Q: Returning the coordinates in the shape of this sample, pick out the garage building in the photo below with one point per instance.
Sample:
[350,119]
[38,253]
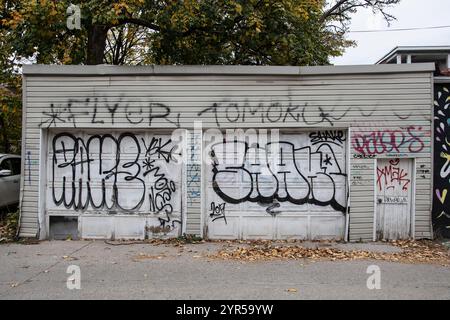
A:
[227,152]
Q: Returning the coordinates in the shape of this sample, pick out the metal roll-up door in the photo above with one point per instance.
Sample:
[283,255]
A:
[294,187]
[135,178]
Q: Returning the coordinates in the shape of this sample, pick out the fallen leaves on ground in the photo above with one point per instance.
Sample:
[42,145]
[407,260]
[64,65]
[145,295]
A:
[69,258]
[412,252]
[143,256]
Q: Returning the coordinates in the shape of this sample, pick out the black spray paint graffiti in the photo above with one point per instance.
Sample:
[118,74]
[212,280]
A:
[82,158]
[271,209]
[217,211]
[93,174]
[336,137]
[441,200]
[270,113]
[239,113]
[278,172]
[162,190]
[100,111]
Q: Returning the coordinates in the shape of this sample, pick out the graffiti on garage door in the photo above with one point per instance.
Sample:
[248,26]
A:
[122,173]
[299,169]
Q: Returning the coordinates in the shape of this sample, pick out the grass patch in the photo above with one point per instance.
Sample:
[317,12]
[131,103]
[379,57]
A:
[190,238]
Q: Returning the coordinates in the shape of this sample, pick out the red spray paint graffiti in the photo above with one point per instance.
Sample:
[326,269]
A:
[392,176]
[387,141]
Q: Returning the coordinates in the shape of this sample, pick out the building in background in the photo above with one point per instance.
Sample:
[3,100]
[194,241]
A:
[440,56]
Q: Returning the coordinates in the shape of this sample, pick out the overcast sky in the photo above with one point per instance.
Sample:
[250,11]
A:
[410,14]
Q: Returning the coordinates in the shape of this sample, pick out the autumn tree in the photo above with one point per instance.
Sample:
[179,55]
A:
[10,98]
[257,32]
[10,115]
[282,32]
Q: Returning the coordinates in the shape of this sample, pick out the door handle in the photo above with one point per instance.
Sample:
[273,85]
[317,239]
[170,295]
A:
[16,181]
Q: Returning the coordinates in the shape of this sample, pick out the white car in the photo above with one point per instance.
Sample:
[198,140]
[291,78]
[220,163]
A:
[9,179]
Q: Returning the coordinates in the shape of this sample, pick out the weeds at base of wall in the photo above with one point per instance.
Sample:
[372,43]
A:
[181,240]
[190,238]
[9,223]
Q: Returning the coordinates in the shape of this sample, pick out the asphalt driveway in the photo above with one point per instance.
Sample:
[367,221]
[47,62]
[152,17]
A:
[167,271]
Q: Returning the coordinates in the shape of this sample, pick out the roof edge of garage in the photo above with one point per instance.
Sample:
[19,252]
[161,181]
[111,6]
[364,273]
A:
[110,70]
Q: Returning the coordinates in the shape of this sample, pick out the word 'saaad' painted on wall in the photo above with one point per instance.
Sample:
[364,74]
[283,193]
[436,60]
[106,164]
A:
[441,198]
[108,174]
[297,170]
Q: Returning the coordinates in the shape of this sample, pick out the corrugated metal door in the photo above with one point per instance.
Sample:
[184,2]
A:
[294,187]
[394,198]
[119,173]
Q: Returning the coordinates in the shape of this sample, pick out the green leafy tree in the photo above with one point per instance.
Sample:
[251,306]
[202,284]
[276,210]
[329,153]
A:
[10,115]
[282,32]
[256,32]
[10,98]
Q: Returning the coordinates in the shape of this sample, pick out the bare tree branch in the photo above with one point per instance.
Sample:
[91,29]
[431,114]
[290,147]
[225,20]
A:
[341,10]
[332,10]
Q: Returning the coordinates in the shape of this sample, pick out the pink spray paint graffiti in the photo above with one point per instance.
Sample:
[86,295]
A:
[381,142]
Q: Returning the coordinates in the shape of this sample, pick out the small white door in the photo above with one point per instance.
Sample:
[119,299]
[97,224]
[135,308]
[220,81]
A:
[394,186]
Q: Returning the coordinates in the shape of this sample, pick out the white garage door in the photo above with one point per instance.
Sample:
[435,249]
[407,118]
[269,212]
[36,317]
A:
[293,187]
[121,174]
